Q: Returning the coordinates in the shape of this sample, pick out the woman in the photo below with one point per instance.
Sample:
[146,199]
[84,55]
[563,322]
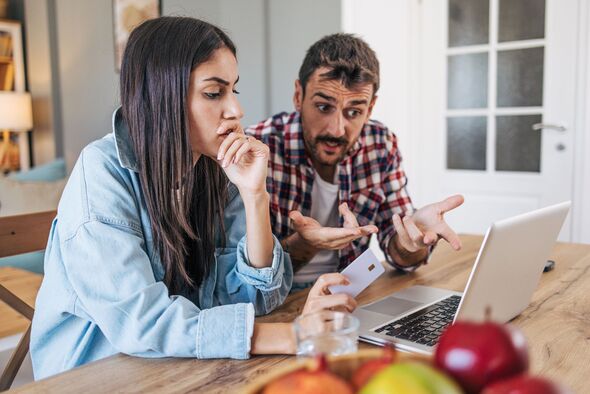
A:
[152,253]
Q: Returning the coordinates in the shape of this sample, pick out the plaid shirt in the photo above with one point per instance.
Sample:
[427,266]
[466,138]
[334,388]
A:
[371,180]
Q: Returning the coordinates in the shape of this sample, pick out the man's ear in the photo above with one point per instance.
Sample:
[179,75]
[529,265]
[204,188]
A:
[371,105]
[298,96]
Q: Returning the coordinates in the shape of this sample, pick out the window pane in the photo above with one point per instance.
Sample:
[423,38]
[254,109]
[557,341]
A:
[518,146]
[466,143]
[521,20]
[469,22]
[520,77]
[467,77]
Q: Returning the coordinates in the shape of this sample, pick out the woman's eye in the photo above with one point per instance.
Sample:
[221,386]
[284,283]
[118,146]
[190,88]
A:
[212,96]
[236,92]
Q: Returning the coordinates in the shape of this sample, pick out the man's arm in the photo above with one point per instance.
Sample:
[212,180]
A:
[300,251]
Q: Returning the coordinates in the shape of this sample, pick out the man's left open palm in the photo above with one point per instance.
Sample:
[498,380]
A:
[427,225]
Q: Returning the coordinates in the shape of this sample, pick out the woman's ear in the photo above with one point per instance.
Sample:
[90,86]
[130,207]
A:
[298,96]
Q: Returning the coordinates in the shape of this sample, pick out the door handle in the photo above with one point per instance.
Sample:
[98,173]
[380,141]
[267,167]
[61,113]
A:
[549,126]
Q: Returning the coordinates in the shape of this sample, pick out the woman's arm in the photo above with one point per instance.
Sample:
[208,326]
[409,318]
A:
[245,161]
[279,338]
[258,231]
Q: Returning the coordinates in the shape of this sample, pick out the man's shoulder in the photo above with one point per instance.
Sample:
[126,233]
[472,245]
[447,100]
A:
[272,127]
[377,133]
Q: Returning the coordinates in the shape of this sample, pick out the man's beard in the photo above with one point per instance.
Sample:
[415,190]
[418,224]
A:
[314,150]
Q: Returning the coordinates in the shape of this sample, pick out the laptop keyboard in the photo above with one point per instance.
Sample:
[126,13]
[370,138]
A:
[426,325]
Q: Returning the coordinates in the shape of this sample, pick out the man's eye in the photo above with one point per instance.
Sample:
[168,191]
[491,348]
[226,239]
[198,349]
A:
[352,113]
[212,96]
[323,107]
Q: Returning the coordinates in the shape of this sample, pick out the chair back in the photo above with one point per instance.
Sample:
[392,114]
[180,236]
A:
[21,234]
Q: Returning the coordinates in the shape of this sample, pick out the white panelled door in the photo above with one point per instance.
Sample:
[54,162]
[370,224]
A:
[497,99]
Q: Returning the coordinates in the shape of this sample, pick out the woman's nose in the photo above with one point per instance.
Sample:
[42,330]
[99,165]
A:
[233,109]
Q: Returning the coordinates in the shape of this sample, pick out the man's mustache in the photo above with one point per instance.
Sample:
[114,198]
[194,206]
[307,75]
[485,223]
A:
[333,140]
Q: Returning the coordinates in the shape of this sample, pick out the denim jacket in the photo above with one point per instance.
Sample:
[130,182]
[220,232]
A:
[103,290]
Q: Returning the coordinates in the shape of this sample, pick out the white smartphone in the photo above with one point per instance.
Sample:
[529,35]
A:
[363,271]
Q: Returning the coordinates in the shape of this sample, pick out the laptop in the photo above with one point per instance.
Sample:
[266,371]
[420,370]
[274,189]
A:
[505,274]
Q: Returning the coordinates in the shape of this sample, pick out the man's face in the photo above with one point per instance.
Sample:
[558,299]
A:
[332,116]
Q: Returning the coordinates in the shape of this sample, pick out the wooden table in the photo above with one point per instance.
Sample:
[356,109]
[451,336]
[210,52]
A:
[24,285]
[557,325]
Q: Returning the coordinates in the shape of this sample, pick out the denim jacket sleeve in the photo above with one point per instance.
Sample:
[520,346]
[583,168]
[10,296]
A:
[266,288]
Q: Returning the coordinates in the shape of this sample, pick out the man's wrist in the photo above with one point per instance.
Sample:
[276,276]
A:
[404,257]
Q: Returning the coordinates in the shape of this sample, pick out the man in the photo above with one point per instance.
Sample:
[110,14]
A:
[337,175]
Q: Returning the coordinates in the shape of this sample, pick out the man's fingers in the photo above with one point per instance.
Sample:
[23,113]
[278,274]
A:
[349,218]
[369,229]
[415,234]
[451,237]
[451,203]
[430,237]
[402,234]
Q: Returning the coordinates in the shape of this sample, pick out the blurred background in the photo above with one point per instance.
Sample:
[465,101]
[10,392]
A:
[487,97]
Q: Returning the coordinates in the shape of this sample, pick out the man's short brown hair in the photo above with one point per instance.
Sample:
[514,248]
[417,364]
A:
[349,58]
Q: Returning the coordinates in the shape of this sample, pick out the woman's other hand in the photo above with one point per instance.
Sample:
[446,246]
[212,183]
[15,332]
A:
[320,298]
[244,159]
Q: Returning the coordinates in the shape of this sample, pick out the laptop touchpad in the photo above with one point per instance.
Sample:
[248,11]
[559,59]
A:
[392,306]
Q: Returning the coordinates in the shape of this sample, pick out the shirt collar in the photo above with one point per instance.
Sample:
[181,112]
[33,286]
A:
[123,143]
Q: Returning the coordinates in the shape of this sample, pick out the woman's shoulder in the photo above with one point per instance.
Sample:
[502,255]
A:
[100,188]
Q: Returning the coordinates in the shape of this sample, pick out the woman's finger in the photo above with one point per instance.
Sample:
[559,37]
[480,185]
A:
[326,280]
[246,146]
[231,151]
[228,126]
[335,301]
[225,144]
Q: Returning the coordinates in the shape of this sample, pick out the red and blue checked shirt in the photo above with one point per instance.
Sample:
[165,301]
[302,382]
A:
[371,179]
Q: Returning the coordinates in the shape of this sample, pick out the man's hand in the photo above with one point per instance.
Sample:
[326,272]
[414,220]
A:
[426,226]
[333,238]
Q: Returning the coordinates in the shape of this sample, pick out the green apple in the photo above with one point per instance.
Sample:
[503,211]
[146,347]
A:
[410,378]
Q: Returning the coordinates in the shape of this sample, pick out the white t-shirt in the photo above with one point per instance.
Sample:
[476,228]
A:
[324,209]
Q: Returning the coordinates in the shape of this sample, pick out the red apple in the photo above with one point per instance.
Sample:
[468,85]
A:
[477,354]
[318,380]
[371,367]
[525,384]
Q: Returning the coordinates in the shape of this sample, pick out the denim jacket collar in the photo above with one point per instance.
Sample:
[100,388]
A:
[123,143]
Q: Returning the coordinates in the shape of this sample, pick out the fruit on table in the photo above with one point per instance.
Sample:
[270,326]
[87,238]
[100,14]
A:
[371,367]
[525,384]
[478,354]
[410,378]
[316,381]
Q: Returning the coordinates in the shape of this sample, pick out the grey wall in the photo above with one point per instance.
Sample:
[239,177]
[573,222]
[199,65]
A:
[294,26]
[75,85]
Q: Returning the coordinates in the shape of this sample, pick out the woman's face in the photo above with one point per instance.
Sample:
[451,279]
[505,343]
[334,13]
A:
[212,98]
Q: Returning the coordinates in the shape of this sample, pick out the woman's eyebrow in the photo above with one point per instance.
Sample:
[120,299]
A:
[221,80]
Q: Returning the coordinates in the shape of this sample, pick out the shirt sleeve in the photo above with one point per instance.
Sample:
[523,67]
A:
[116,288]
[397,200]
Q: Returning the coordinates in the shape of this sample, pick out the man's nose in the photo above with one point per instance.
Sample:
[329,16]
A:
[336,126]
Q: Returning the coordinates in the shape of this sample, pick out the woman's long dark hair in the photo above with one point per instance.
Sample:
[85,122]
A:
[184,201]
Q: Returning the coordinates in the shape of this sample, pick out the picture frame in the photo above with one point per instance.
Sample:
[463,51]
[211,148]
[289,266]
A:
[127,14]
